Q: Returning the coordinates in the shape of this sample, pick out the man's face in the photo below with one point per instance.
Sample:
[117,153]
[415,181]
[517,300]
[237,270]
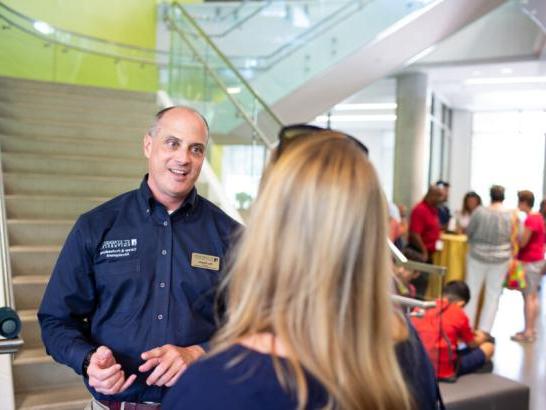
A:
[175,156]
[435,196]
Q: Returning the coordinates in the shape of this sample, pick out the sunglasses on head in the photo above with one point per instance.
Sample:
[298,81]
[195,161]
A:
[291,132]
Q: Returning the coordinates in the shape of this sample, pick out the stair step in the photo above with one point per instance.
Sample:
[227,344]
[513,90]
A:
[13,85]
[74,397]
[30,329]
[28,290]
[63,102]
[70,129]
[30,356]
[68,185]
[33,369]
[108,116]
[71,146]
[72,165]
[33,260]
[38,232]
[50,207]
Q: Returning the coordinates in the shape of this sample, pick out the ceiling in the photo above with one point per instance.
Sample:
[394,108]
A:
[495,63]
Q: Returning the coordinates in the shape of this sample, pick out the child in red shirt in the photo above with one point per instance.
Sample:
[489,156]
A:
[441,328]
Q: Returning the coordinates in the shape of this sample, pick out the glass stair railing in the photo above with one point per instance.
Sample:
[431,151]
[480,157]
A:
[283,25]
[243,126]
[213,81]
[36,50]
[294,41]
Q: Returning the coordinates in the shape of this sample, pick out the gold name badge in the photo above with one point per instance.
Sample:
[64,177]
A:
[200,260]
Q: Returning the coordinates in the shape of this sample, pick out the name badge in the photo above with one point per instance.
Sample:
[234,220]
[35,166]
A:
[200,260]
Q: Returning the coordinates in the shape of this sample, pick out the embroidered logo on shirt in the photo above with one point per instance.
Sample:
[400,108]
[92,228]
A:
[200,260]
[118,248]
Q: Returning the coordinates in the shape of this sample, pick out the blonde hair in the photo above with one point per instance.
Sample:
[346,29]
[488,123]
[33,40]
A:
[313,268]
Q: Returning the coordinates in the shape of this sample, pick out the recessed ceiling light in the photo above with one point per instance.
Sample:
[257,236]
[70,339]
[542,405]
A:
[476,72]
[357,118]
[505,80]
[365,106]
[506,70]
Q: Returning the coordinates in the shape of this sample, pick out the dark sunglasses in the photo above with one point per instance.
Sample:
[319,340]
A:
[290,132]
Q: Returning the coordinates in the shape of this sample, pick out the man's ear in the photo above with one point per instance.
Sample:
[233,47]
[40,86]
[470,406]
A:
[147,145]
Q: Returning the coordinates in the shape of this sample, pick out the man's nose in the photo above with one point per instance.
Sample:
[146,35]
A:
[182,155]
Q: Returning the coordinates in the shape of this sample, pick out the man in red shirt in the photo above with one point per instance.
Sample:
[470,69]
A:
[424,226]
[424,233]
[531,254]
[441,328]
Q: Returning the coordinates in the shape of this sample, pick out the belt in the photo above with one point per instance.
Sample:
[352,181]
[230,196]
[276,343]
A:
[125,405]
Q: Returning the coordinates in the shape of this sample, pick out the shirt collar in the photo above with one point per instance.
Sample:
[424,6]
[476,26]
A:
[148,202]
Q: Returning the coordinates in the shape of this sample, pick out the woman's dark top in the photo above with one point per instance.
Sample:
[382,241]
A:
[252,383]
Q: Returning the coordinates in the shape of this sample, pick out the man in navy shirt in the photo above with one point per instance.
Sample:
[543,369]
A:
[131,298]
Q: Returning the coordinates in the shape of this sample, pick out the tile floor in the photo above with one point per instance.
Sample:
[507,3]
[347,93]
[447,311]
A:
[518,361]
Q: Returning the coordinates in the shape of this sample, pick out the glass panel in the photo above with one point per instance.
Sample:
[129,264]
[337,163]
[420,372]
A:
[243,128]
[298,39]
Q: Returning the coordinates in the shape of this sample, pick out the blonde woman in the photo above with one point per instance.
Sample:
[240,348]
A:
[309,320]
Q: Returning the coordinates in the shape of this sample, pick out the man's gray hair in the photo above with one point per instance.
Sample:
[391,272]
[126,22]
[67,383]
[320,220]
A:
[153,128]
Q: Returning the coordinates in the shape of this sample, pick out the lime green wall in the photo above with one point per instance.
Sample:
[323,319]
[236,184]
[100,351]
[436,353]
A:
[125,21]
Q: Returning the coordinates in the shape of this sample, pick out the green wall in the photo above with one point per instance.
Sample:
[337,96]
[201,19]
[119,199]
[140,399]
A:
[130,22]
[124,21]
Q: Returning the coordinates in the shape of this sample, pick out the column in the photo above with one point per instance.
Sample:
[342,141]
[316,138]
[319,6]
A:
[411,152]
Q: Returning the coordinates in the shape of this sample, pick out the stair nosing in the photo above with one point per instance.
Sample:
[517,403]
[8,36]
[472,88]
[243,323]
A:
[72,124]
[31,355]
[30,279]
[73,157]
[65,176]
[28,315]
[54,197]
[35,248]
[22,221]
[75,140]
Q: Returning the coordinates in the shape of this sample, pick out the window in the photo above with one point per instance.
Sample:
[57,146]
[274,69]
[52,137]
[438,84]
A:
[440,140]
[508,149]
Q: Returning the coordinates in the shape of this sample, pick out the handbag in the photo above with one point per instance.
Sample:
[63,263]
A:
[515,275]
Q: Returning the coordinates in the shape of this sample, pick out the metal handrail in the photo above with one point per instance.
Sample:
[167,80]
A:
[85,36]
[414,265]
[347,9]
[233,12]
[413,303]
[5,264]
[78,48]
[10,345]
[217,79]
[243,20]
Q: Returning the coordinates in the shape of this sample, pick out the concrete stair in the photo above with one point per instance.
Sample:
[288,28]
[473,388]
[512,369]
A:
[65,149]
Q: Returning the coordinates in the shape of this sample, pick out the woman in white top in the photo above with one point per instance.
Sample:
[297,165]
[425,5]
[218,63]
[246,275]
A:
[490,250]
[471,201]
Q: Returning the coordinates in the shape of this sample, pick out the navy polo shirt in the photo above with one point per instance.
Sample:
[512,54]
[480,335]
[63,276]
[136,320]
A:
[132,277]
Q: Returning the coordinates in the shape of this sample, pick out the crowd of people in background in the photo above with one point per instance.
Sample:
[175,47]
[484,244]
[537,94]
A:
[496,235]
[497,238]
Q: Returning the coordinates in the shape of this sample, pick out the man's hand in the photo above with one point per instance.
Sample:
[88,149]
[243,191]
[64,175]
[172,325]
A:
[169,362]
[105,375]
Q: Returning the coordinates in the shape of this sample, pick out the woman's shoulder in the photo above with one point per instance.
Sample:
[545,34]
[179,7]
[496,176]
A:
[235,378]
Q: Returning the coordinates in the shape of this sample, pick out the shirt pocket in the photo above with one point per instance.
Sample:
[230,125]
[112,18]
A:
[120,288]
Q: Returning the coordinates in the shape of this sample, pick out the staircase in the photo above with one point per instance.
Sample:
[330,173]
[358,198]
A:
[65,149]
